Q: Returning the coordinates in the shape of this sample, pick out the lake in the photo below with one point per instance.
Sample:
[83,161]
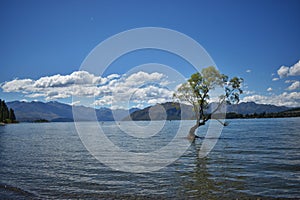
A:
[253,158]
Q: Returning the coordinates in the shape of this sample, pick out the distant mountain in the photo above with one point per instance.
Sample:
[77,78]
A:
[174,112]
[59,112]
[251,108]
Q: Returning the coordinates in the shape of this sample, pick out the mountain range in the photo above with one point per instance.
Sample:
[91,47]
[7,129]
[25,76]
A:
[60,112]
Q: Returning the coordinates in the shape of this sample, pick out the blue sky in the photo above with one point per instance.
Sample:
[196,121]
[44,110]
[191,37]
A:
[251,39]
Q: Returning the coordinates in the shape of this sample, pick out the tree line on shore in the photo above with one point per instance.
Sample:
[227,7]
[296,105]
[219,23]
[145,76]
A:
[290,113]
[6,115]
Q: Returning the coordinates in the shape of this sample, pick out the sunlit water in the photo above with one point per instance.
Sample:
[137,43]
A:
[255,158]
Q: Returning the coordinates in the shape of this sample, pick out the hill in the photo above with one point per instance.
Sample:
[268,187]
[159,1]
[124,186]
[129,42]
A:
[164,111]
[173,111]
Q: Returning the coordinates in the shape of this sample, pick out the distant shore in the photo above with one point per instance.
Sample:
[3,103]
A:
[289,113]
[228,116]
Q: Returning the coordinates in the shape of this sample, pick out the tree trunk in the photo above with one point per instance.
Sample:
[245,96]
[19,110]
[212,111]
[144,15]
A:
[191,136]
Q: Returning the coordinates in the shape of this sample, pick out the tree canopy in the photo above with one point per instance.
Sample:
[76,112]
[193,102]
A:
[196,91]
[6,115]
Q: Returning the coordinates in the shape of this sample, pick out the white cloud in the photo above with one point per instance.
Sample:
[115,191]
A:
[248,70]
[285,99]
[106,100]
[113,76]
[269,89]
[294,70]
[17,85]
[156,101]
[248,92]
[35,95]
[283,71]
[295,85]
[140,87]
[141,77]
[76,78]
[275,79]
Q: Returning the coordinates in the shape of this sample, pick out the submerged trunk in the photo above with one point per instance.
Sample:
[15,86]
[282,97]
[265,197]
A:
[191,136]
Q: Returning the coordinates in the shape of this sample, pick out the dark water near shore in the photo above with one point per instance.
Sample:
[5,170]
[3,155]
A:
[253,158]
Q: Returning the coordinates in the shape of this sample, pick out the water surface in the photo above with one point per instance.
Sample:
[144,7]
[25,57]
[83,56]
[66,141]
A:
[253,158]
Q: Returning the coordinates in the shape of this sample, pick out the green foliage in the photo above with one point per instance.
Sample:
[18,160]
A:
[197,89]
[12,116]
[233,90]
[40,121]
[7,121]
[6,115]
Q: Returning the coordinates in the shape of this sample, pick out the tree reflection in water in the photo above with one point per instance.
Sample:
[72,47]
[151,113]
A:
[205,179]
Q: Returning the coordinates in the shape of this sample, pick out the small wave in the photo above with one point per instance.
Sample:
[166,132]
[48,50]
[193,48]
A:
[12,192]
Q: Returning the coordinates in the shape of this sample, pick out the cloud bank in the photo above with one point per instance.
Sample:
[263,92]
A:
[285,99]
[140,87]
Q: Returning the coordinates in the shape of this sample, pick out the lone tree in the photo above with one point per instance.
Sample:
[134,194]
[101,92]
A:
[197,89]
